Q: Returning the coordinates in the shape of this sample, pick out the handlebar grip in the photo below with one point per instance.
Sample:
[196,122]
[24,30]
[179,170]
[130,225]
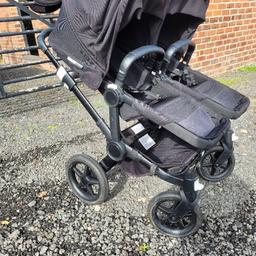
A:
[41,39]
[133,56]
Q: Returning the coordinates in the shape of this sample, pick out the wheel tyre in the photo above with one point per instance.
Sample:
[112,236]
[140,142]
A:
[173,232]
[215,178]
[98,174]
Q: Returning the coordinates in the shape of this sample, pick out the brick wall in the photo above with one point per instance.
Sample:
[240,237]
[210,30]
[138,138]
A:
[10,42]
[228,38]
[224,42]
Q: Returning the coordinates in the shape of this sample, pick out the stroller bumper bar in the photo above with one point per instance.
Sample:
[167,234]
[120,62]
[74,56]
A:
[175,48]
[134,56]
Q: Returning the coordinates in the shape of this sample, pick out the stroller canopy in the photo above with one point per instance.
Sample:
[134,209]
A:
[87,30]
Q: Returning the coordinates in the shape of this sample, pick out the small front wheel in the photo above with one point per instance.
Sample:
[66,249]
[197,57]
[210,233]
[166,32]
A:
[87,179]
[161,210]
[208,168]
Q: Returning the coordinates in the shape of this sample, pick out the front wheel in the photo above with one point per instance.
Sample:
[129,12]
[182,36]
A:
[161,210]
[208,168]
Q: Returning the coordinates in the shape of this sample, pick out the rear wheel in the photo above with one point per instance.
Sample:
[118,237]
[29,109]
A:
[161,211]
[210,170]
[87,179]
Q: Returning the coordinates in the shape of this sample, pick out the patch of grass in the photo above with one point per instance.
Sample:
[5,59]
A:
[230,81]
[249,68]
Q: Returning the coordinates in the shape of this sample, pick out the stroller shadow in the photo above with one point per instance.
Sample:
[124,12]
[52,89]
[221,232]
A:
[117,180]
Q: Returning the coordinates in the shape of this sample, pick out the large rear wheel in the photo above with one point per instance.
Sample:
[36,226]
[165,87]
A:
[87,179]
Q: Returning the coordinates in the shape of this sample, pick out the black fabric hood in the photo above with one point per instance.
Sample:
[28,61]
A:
[87,30]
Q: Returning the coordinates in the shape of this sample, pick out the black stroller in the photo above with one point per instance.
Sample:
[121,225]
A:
[182,122]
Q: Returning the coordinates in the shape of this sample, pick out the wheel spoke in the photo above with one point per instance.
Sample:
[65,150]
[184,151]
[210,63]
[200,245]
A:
[222,169]
[213,170]
[181,224]
[176,205]
[90,190]
[85,169]
[206,165]
[212,158]
[83,185]
[189,214]
[78,172]
[165,210]
[90,180]
[223,166]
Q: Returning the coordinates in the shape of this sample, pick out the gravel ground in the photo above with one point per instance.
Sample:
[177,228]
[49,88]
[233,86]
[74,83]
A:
[40,216]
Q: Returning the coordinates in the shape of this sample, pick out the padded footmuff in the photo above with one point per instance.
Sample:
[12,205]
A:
[159,146]
[219,97]
[229,102]
[182,116]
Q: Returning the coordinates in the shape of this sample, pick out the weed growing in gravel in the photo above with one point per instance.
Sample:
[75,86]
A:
[144,247]
[52,126]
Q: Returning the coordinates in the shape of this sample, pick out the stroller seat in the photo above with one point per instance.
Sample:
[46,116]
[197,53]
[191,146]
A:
[180,115]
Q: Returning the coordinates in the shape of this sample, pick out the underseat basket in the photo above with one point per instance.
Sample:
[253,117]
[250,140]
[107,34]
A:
[159,146]
[219,97]
[182,116]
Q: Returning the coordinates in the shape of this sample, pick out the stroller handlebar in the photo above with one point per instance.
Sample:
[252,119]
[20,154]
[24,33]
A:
[176,47]
[179,45]
[133,56]
[45,48]
[41,39]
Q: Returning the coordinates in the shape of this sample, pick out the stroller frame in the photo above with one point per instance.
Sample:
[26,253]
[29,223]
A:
[117,149]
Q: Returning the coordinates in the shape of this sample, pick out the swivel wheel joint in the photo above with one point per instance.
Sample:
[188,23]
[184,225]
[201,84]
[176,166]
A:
[116,150]
[112,95]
